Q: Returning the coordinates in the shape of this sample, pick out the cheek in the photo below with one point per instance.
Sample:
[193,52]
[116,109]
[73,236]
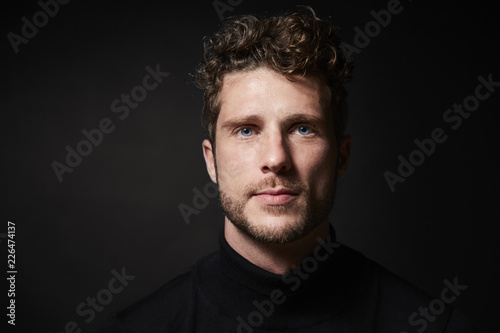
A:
[232,166]
[320,164]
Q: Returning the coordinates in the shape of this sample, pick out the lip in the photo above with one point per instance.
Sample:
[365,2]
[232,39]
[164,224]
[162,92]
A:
[276,191]
[275,196]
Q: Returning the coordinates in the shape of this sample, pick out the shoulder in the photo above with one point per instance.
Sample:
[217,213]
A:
[167,307]
[403,307]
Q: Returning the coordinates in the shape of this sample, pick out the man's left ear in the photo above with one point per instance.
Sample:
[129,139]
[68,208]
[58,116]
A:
[343,155]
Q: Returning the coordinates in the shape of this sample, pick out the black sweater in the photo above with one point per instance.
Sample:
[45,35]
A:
[336,289]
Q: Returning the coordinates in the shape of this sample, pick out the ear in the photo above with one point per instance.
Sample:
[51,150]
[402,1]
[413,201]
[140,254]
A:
[343,156]
[208,153]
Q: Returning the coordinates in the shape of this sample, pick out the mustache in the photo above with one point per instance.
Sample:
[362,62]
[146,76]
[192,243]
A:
[291,184]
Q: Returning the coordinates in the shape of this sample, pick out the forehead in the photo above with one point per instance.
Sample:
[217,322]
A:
[266,92]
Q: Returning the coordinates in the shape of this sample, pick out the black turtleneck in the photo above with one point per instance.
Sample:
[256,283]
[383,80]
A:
[335,289]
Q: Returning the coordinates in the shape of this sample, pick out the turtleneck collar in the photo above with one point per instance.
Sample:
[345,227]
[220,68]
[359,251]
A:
[242,271]
[327,283]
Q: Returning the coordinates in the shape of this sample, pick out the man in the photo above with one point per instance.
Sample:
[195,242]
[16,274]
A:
[274,114]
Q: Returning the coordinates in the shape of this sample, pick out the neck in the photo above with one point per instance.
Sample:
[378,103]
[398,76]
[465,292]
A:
[275,258]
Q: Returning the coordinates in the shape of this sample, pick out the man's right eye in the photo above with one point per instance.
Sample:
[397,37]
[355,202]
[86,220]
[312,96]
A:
[246,131]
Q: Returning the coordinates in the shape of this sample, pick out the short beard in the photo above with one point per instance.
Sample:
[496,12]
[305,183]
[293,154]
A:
[316,210]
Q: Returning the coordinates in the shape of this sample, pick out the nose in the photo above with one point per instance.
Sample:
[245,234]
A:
[275,154]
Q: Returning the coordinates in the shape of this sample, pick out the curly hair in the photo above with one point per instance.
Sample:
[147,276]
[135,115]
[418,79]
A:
[293,43]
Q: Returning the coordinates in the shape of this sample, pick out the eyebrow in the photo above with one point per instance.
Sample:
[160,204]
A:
[237,121]
[294,118]
[302,118]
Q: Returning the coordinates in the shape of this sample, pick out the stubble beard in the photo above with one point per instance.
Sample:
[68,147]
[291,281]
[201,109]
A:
[314,211]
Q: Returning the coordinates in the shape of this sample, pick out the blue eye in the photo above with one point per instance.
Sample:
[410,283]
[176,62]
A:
[303,130]
[246,131]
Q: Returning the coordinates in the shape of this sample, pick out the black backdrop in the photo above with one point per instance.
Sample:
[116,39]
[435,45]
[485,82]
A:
[119,207]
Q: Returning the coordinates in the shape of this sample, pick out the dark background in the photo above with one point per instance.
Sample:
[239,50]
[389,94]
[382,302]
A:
[119,207]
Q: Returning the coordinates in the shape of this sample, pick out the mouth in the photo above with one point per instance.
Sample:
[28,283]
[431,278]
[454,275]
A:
[275,196]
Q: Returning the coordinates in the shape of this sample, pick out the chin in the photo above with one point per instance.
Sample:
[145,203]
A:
[274,229]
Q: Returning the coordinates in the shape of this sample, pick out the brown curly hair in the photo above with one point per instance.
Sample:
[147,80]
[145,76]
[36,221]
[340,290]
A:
[293,43]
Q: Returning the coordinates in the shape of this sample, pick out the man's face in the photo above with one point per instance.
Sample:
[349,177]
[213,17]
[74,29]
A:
[276,155]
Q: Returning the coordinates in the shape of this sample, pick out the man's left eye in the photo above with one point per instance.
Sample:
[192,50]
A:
[303,130]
